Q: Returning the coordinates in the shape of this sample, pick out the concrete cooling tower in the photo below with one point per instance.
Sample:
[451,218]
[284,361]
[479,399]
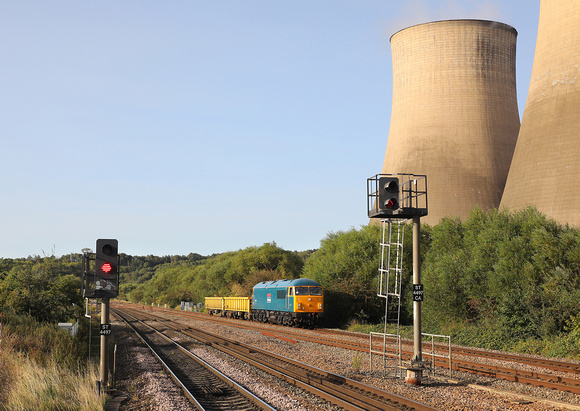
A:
[454,114]
[545,170]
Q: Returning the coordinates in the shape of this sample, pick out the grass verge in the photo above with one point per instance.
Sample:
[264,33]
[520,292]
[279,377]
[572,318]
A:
[43,368]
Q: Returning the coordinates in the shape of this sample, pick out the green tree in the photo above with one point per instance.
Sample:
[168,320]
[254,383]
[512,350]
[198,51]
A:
[515,274]
[346,265]
[39,289]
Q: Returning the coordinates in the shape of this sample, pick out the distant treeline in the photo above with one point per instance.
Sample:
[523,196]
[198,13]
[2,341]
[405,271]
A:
[48,288]
[497,280]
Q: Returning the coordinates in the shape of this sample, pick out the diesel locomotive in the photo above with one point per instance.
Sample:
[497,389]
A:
[298,302]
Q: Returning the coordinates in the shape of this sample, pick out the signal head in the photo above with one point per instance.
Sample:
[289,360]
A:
[388,193]
[107,257]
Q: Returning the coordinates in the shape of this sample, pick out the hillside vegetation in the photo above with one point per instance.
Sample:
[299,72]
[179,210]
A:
[497,280]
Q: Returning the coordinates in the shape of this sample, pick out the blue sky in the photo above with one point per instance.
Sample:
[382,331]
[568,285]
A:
[202,126]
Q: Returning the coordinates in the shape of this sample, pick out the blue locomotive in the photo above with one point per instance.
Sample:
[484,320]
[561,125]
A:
[298,302]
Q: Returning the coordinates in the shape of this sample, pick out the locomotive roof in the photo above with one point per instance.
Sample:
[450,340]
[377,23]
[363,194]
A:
[287,283]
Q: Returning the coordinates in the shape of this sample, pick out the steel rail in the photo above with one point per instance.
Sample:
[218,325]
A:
[282,376]
[346,393]
[259,403]
[507,373]
[174,377]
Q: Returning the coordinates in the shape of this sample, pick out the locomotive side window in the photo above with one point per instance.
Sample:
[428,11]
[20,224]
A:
[290,291]
[315,290]
[301,290]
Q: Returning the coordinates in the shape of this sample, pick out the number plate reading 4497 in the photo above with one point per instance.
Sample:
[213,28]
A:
[105,329]
[417,292]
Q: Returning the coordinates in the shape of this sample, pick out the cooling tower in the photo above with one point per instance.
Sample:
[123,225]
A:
[545,170]
[454,113]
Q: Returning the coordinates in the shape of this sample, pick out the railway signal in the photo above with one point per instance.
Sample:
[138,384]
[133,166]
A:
[106,286]
[384,195]
[388,193]
[107,267]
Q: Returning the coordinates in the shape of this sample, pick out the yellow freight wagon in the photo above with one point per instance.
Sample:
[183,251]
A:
[237,307]
[233,307]
[214,305]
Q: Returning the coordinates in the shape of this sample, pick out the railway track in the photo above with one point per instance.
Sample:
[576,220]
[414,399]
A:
[338,390]
[204,386]
[516,371]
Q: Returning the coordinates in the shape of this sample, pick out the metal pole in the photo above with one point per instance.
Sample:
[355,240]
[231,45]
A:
[415,371]
[417,280]
[114,366]
[104,345]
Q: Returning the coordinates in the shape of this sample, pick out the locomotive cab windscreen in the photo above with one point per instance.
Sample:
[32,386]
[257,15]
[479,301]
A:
[308,290]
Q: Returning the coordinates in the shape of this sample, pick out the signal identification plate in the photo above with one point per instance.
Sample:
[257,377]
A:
[417,292]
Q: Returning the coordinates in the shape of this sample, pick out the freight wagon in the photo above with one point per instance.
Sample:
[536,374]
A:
[298,302]
[232,307]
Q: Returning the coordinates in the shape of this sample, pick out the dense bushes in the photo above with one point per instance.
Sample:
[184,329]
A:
[496,280]
[347,266]
[515,275]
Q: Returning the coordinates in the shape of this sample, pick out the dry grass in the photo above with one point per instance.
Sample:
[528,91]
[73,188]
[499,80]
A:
[26,384]
[8,370]
[52,388]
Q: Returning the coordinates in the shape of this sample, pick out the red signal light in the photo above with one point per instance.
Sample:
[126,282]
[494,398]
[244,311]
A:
[106,268]
[391,203]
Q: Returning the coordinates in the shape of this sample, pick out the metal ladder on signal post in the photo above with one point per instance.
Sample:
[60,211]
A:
[92,309]
[389,287]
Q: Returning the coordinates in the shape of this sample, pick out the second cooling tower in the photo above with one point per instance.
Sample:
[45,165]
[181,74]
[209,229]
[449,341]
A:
[545,170]
[454,113]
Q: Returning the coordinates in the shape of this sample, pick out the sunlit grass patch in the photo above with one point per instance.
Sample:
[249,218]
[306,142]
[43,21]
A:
[53,388]
[40,369]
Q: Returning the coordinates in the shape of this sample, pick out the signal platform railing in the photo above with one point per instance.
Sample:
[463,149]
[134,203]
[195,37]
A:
[391,345]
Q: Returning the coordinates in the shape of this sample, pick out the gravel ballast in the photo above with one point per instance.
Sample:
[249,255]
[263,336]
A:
[150,389]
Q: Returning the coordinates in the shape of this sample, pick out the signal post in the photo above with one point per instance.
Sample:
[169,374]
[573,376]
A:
[415,371]
[404,196]
[103,282]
